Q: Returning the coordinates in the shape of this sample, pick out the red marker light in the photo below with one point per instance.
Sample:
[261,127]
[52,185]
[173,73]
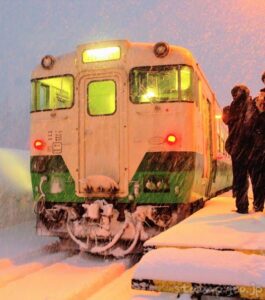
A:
[39,144]
[171,139]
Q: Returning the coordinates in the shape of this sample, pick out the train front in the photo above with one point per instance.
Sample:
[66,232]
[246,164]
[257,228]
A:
[111,164]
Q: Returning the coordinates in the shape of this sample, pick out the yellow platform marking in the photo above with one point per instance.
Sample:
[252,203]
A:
[246,292]
[245,251]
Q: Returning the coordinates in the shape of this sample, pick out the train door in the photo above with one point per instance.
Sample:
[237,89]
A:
[208,151]
[102,143]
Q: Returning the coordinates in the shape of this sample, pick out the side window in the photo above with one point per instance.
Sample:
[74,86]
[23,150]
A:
[167,83]
[52,93]
[200,94]
[33,96]
[43,102]
[186,83]
[101,97]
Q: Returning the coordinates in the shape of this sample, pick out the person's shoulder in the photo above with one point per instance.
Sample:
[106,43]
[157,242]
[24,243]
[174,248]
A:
[226,108]
[226,114]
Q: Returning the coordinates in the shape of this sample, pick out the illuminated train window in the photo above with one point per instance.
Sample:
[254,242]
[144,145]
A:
[52,93]
[161,84]
[101,97]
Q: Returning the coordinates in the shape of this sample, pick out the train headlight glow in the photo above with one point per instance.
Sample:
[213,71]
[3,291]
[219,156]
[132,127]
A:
[39,144]
[171,139]
[101,54]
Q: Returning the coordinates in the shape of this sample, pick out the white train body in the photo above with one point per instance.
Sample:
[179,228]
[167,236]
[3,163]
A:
[120,144]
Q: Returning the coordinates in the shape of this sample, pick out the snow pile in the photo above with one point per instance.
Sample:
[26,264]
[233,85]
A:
[202,266]
[14,168]
[16,203]
[216,226]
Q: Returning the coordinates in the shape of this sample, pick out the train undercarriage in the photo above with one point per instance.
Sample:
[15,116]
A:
[104,228]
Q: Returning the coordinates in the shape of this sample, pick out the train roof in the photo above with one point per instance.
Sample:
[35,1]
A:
[132,54]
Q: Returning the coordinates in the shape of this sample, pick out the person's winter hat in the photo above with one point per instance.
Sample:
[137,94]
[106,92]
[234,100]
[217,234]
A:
[240,87]
[263,77]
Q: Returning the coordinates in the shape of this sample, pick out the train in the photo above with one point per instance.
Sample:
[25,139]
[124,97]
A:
[126,140]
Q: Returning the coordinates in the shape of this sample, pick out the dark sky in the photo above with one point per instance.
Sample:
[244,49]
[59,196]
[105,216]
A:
[226,36]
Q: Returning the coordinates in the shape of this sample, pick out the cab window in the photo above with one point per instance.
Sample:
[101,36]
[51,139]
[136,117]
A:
[101,97]
[52,93]
[161,84]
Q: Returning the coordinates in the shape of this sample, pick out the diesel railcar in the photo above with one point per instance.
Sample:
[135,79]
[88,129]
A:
[126,141]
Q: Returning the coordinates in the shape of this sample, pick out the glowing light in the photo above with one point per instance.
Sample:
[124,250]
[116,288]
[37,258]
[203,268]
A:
[185,74]
[218,117]
[171,139]
[39,144]
[148,95]
[101,54]
[15,169]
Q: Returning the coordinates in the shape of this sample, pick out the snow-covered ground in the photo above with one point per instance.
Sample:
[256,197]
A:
[202,266]
[72,278]
[32,267]
[16,205]
[216,226]
[120,289]
[189,253]
[28,268]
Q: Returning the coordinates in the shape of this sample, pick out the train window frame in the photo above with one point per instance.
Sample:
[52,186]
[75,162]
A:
[34,93]
[87,98]
[196,89]
[178,67]
[44,97]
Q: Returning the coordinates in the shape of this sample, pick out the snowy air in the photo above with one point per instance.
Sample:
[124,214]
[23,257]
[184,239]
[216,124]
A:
[132,150]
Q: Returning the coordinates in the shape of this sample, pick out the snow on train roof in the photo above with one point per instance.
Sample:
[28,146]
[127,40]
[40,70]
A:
[202,266]
[216,226]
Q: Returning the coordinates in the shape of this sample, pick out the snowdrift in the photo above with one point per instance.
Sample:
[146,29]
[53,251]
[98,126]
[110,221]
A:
[16,203]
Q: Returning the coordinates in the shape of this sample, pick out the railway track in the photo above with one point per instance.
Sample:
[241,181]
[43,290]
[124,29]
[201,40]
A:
[33,267]
[49,273]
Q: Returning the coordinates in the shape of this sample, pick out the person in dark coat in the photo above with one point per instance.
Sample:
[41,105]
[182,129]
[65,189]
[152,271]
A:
[237,143]
[257,154]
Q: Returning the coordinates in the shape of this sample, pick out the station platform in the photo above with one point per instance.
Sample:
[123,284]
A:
[216,226]
[215,252]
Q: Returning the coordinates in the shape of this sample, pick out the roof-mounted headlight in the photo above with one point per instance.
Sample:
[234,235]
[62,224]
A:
[161,49]
[47,61]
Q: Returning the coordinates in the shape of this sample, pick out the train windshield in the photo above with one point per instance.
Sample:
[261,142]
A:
[52,93]
[161,84]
